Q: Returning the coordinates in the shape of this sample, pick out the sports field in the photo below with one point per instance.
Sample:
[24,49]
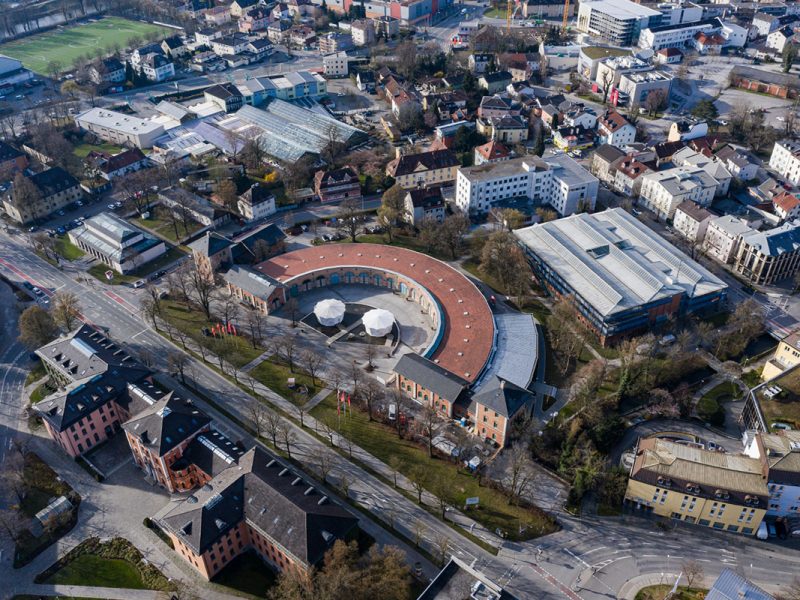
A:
[65,45]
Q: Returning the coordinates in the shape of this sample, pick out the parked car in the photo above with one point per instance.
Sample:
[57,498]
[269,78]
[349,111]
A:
[139,283]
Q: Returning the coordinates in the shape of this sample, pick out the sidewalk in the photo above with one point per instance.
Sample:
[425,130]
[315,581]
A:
[631,587]
[321,395]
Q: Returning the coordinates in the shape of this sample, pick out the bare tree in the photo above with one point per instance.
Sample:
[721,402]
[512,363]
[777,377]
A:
[292,307]
[285,347]
[371,393]
[202,287]
[442,543]
[288,437]
[177,362]
[395,464]
[66,310]
[258,414]
[272,426]
[418,478]
[255,324]
[418,529]
[429,426]
[312,362]
[521,473]
[693,571]
[350,218]
[325,465]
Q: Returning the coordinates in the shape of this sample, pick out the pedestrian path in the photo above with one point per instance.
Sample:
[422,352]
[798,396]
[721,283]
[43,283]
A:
[256,361]
[320,396]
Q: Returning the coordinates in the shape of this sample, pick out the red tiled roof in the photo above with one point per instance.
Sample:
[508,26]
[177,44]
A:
[468,324]
[493,150]
[786,202]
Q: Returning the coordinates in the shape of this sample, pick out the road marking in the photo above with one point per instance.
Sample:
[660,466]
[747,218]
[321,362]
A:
[593,550]
[121,301]
[576,557]
[133,337]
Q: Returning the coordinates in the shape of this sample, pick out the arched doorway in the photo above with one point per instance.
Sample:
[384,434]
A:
[293,291]
[334,279]
[320,281]
[364,278]
[389,283]
[377,279]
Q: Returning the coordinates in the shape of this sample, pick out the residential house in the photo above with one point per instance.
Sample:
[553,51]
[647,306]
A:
[174,47]
[579,116]
[687,130]
[186,203]
[337,184]
[278,31]
[703,487]
[334,42]
[778,39]
[507,129]
[687,157]
[573,138]
[254,20]
[107,70]
[786,205]
[230,45]
[116,243]
[779,453]
[494,82]
[365,81]
[110,166]
[386,26]
[614,129]
[668,56]
[628,175]
[363,32]
[424,204]
[302,36]
[239,8]
[478,62]
[52,190]
[692,221]
[256,203]
[204,37]
[492,151]
[217,16]
[422,169]
[739,163]
[723,236]
[665,150]
[498,106]
[663,191]
[766,257]
[157,67]
[498,403]
[137,56]
[260,504]
[602,160]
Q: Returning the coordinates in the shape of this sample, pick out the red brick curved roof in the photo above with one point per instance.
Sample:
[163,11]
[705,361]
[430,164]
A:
[468,325]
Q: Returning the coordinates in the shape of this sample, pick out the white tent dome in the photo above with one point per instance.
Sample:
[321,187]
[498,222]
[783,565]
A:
[329,312]
[378,322]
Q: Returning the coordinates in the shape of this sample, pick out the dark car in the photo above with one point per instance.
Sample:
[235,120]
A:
[61,231]
[28,285]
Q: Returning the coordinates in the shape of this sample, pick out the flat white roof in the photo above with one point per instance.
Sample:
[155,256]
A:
[614,263]
[119,121]
[621,9]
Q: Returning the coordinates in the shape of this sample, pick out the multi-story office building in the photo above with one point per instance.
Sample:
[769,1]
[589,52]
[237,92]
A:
[765,257]
[617,21]
[621,278]
[641,84]
[724,491]
[677,35]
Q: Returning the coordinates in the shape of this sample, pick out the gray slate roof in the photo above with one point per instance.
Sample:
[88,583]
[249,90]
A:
[270,496]
[253,282]
[503,397]
[166,423]
[430,376]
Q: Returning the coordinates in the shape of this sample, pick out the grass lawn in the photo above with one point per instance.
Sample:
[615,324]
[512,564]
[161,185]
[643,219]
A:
[752,378]
[165,228]
[247,574]
[115,563]
[382,442]
[658,592]
[40,392]
[724,392]
[496,13]
[36,373]
[67,44]
[67,249]
[92,570]
[191,322]
[166,259]
[83,150]
[98,271]
[41,485]
[274,375]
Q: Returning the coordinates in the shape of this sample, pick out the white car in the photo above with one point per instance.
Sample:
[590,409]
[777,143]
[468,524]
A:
[111,207]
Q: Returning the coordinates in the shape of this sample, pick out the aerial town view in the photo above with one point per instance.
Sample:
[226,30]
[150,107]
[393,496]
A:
[400,299]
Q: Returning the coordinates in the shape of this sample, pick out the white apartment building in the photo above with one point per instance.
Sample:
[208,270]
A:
[120,128]
[785,160]
[610,70]
[663,191]
[335,64]
[559,182]
[723,237]
[614,129]
[686,157]
[691,221]
[780,452]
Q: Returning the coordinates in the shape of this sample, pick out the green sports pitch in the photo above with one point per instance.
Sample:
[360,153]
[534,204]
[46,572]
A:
[68,43]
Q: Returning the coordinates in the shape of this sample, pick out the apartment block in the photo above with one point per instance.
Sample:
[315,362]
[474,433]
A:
[663,191]
[766,257]
[785,160]
[723,236]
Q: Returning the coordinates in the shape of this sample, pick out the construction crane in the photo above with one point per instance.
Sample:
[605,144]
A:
[509,12]
[565,20]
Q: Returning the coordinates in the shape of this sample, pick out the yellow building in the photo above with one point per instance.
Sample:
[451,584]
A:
[787,355]
[424,169]
[508,129]
[723,491]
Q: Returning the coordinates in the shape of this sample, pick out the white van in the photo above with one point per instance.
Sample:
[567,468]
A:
[762,532]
